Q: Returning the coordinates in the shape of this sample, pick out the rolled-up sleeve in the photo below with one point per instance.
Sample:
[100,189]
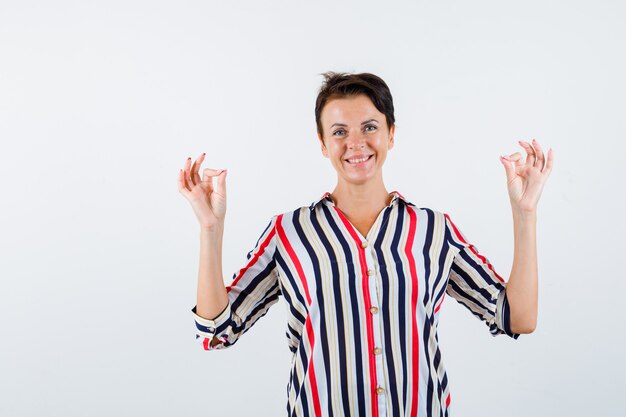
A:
[475,284]
[253,290]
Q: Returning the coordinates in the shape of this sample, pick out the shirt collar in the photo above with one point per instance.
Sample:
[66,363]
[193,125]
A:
[326,196]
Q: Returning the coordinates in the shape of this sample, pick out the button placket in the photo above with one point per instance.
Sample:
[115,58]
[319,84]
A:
[374,309]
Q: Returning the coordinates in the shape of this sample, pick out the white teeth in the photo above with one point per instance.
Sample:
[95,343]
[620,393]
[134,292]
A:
[356,161]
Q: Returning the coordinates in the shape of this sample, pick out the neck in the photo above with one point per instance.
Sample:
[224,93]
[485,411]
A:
[362,198]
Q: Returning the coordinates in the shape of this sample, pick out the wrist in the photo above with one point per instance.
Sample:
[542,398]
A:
[215,229]
[524,215]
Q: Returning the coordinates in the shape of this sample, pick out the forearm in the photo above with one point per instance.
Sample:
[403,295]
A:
[212,297]
[521,288]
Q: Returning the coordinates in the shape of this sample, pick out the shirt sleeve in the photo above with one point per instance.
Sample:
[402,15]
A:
[474,283]
[253,290]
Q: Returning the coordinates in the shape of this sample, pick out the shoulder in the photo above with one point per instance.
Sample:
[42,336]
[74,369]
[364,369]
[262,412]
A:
[430,214]
[437,215]
[286,217]
[298,211]
[438,222]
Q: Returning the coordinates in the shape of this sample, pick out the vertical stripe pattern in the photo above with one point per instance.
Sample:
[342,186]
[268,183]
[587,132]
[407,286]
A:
[363,310]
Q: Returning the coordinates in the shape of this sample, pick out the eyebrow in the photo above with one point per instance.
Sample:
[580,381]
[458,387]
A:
[343,124]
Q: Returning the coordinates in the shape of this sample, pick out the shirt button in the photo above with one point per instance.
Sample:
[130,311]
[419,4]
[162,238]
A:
[370,272]
[364,244]
[373,309]
[377,351]
[380,390]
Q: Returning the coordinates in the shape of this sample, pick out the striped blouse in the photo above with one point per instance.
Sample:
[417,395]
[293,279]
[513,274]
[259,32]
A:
[363,310]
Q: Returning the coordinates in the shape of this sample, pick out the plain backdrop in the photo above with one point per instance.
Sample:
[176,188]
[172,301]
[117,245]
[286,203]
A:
[102,102]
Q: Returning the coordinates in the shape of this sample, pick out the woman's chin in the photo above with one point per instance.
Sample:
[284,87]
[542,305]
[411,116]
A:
[358,179]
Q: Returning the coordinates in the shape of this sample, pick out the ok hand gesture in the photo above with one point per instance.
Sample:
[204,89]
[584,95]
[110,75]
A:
[525,179]
[207,201]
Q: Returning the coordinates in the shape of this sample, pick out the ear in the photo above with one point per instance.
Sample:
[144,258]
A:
[392,132]
[323,146]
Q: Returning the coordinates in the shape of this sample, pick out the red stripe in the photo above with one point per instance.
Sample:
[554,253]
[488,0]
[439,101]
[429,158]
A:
[253,260]
[309,326]
[368,316]
[311,368]
[482,258]
[205,343]
[440,303]
[293,256]
[414,290]
[448,401]
[394,191]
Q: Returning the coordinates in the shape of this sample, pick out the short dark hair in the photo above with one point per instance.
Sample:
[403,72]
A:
[342,84]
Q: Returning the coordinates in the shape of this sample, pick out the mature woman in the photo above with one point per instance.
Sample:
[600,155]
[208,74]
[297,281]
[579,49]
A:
[363,270]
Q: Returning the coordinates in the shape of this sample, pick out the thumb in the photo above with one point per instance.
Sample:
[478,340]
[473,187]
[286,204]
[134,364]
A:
[509,167]
[220,187]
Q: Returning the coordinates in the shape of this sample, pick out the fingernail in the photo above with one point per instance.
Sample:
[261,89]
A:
[204,153]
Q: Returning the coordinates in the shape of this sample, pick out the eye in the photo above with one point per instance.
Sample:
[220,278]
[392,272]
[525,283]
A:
[337,131]
[372,126]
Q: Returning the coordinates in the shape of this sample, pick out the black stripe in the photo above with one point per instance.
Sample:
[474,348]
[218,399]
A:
[355,310]
[292,309]
[319,292]
[385,311]
[341,331]
[470,281]
[284,270]
[249,288]
[296,381]
[464,297]
[249,254]
[507,318]
[270,298]
[430,385]
[402,314]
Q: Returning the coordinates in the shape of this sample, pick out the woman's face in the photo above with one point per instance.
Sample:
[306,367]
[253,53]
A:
[354,129]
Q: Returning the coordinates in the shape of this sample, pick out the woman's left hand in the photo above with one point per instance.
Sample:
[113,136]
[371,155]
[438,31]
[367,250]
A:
[525,179]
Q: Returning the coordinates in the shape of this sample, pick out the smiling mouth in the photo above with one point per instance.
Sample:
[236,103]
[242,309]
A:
[359,161]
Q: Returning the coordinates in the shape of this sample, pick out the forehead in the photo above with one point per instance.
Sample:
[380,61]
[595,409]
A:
[350,108]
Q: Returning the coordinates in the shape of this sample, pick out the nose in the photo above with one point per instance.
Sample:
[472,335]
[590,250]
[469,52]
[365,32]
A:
[356,139]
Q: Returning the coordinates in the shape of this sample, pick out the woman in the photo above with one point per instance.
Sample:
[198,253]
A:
[363,270]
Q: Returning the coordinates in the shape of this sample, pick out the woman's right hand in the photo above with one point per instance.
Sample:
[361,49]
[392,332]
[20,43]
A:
[207,201]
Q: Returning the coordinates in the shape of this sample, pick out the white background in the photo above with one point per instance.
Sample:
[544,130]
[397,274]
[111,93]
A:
[102,102]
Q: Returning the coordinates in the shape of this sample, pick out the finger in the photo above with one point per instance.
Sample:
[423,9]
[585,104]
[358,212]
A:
[549,161]
[207,179]
[208,174]
[515,157]
[530,152]
[183,186]
[509,168]
[195,176]
[186,169]
[179,181]
[220,188]
[541,160]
